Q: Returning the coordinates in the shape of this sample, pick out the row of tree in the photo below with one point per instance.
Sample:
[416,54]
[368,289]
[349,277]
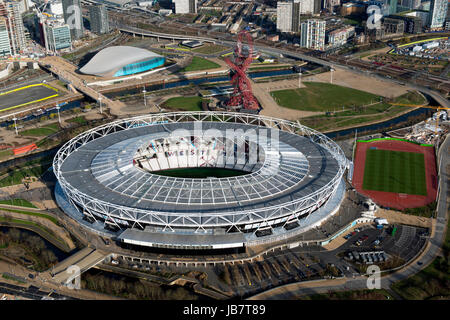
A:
[131,288]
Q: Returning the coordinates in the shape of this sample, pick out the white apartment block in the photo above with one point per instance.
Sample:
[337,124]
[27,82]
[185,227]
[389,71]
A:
[185,6]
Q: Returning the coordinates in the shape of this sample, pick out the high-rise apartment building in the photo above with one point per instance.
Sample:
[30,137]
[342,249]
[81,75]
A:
[73,18]
[185,6]
[288,14]
[438,13]
[312,35]
[10,12]
[99,19]
[57,35]
[5,47]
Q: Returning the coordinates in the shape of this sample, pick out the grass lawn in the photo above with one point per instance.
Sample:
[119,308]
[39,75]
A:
[198,64]
[411,98]
[31,213]
[209,49]
[184,103]
[395,171]
[358,115]
[18,202]
[6,153]
[80,120]
[322,97]
[42,131]
[17,175]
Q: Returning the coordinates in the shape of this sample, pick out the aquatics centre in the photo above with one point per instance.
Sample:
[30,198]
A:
[200,180]
[120,61]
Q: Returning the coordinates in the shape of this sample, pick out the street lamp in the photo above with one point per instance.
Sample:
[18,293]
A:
[299,80]
[145,101]
[331,75]
[59,117]
[100,102]
[15,125]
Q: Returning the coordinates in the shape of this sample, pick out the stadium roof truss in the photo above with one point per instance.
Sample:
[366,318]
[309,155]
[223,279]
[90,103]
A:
[231,215]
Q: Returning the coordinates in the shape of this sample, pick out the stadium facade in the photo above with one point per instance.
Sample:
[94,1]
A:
[108,180]
[120,61]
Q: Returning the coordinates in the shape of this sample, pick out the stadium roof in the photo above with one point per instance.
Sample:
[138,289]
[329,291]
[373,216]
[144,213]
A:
[102,168]
[109,60]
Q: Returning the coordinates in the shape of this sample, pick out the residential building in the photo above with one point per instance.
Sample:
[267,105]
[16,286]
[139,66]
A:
[412,24]
[312,34]
[339,37]
[185,6]
[392,5]
[390,28]
[423,15]
[284,16]
[10,11]
[288,14]
[5,47]
[57,35]
[331,5]
[99,19]
[350,8]
[438,13]
[73,18]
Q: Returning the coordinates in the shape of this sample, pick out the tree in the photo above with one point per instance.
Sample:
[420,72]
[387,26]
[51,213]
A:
[15,234]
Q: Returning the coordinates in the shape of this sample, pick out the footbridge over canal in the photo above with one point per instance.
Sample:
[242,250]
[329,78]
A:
[64,272]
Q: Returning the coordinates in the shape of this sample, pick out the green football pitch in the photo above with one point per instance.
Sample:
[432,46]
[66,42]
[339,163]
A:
[395,171]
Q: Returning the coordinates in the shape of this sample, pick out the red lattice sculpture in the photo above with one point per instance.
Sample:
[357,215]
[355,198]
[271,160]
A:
[242,96]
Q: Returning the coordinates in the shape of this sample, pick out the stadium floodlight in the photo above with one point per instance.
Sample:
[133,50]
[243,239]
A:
[145,100]
[100,102]
[15,125]
[59,117]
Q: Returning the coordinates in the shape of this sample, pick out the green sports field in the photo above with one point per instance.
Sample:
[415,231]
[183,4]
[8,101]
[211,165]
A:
[395,171]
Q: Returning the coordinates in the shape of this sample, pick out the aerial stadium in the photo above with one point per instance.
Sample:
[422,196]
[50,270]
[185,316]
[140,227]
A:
[123,180]
[120,61]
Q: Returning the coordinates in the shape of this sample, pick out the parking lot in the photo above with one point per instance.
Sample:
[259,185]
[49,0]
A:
[304,263]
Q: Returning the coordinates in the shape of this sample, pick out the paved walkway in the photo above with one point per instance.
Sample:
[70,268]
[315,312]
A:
[65,70]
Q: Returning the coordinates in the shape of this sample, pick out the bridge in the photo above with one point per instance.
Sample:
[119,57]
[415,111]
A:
[158,35]
[66,71]
[83,259]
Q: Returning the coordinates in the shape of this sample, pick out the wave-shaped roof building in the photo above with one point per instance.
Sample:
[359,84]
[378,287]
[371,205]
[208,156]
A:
[120,61]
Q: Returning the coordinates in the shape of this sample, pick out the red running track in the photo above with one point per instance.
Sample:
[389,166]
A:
[392,199]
